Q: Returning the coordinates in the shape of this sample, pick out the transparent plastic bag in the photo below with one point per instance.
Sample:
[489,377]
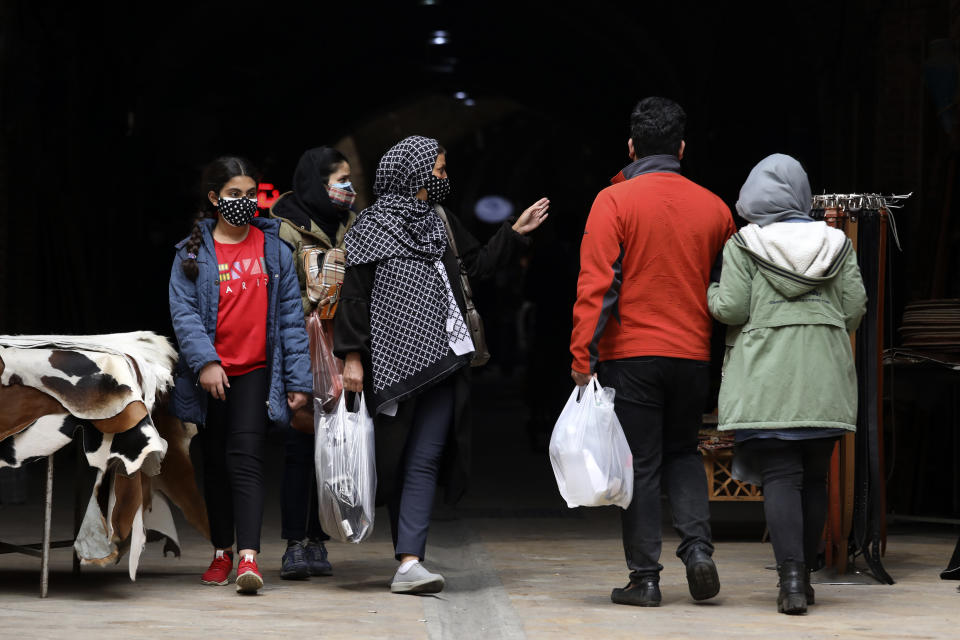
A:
[346,470]
[327,368]
[590,456]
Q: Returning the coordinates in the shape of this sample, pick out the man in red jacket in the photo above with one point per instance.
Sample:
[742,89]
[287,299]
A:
[641,323]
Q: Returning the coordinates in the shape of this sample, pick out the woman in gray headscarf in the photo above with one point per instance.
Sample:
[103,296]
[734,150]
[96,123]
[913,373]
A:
[402,332]
[791,292]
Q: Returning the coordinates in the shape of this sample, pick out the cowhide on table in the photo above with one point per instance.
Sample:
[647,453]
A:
[105,387]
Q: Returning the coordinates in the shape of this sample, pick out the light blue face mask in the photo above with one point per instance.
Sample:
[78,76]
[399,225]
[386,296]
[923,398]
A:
[345,186]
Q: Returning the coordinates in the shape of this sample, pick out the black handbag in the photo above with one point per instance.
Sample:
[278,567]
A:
[475,323]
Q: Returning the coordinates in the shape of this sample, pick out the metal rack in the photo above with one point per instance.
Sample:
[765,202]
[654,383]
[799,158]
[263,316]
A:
[856,524]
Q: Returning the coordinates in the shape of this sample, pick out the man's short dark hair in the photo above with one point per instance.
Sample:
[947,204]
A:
[656,127]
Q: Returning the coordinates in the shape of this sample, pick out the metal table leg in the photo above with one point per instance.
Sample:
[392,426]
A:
[80,483]
[47,517]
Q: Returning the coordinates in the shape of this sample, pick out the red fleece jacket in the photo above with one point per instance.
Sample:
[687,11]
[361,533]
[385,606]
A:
[645,261]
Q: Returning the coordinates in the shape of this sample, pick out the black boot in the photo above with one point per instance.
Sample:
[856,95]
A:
[702,577]
[793,598]
[644,592]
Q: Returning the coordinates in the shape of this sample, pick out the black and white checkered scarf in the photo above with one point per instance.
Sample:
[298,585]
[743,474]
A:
[414,317]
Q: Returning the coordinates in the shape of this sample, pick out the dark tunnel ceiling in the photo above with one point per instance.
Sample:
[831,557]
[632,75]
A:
[571,60]
[306,74]
[145,95]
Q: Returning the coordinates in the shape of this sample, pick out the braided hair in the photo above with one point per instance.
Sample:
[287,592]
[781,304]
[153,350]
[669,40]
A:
[215,175]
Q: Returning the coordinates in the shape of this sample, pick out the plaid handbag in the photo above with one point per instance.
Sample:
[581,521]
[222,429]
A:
[324,270]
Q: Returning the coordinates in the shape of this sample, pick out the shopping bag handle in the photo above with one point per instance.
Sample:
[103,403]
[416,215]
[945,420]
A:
[352,399]
[581,390]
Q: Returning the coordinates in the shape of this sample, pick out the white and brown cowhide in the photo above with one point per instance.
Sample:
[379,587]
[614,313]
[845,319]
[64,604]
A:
[177,479]
[138,509]
[136,449]
[104,386]
[93,377]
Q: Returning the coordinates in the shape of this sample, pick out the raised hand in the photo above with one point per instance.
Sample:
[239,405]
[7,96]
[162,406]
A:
[532,217]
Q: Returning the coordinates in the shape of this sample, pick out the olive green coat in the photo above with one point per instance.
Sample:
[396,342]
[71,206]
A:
[299,238]
[788,360]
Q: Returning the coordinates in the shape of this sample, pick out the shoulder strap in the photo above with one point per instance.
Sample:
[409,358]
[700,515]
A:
[464,281]
[446,225]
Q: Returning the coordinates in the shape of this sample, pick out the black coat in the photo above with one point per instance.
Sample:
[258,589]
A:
[352,334]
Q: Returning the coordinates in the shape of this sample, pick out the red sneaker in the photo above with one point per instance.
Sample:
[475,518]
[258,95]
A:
[249,579]
[220,569]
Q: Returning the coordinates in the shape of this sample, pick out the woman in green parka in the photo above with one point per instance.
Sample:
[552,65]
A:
[791,292]
[316,214]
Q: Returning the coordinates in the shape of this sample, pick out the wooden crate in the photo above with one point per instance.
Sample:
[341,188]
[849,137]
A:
[722,486]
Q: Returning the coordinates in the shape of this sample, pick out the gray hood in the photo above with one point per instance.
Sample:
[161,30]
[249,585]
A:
[777,189]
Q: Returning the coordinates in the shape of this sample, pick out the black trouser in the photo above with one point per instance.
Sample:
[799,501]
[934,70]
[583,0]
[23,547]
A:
[794,493]
[659,403]
[298,503]
[233,441]
[428,418]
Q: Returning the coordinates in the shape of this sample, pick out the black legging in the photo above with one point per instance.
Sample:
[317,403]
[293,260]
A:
[233,441]
[298,502]
[794,494]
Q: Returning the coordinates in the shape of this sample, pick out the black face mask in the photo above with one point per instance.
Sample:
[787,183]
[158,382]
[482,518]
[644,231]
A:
[237,211]
[437,189]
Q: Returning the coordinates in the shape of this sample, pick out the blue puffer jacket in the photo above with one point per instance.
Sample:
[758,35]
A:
[193,308]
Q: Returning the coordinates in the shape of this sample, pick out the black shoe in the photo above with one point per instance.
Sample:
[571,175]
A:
[294,561]
[317,562]
[792,599]
[808,588]
[702,577]
[643,593]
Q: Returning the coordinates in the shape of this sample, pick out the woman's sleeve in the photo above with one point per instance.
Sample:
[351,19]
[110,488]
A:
[294,240]
[854,300]
[195,344]
[293,331]
[729,299]
[483,260]
[351,324]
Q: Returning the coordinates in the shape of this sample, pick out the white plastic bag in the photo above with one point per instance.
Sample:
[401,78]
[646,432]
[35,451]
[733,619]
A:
[590,456]
[346,470]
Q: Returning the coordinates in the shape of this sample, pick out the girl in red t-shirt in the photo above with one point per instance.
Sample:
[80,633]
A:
[235,305]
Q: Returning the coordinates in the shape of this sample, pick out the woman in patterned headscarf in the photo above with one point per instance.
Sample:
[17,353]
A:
[401,330]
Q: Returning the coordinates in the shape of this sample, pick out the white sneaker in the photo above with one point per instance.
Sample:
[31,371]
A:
[416,580]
